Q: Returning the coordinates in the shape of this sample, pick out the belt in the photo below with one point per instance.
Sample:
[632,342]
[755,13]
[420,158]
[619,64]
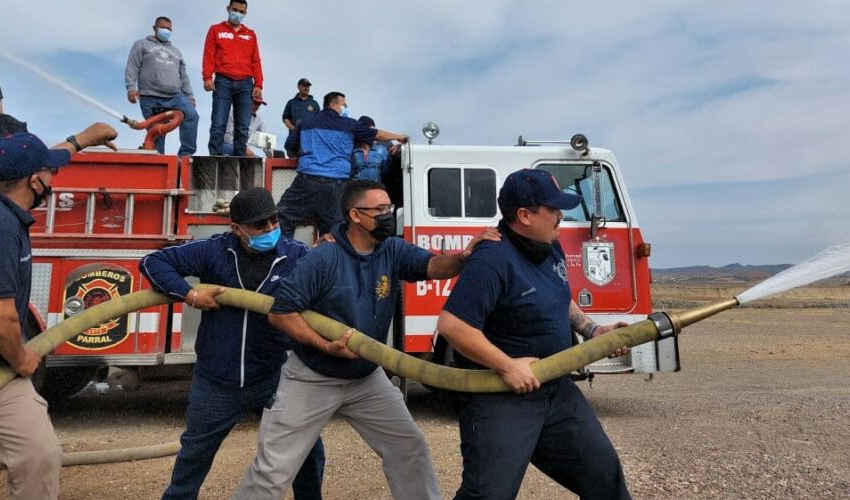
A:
[328,180]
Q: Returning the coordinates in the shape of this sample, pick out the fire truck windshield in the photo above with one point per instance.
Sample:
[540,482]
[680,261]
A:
[577,179]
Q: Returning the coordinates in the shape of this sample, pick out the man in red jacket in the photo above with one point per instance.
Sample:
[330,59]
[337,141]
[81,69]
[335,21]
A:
[232,54]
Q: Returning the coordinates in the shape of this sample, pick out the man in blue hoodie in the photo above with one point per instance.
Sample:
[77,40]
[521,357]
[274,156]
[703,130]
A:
[239,354]
[355,281]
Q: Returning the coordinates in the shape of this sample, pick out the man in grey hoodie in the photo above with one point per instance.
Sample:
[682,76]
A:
[156,77]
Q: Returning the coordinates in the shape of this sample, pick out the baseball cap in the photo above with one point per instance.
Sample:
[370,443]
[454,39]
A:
[304,81]
[532,188]
[23,154]
[252,205]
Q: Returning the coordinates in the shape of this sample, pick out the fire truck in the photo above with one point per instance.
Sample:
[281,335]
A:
[109,209]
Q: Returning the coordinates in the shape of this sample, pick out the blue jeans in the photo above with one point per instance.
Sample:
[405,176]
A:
[553,428]
[213,411]
[189,127]
[237,93]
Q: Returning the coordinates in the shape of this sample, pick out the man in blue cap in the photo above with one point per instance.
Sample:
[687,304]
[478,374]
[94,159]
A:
[511,306]
[28,445]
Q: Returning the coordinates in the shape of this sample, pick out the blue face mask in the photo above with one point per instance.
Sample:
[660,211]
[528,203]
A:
[344,112]
[163,34]
[235,17]
[266,241]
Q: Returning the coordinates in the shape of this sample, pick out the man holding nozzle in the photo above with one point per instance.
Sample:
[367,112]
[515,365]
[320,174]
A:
[511,306]
[28,446]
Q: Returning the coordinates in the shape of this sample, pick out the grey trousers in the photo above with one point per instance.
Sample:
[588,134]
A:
[28,446]
[306,401]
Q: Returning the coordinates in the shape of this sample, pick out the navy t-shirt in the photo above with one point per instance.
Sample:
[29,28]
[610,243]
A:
[521,307]
[15,258]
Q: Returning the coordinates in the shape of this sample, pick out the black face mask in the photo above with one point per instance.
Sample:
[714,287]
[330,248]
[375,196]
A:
[38,198]
[535,251]
[384,226]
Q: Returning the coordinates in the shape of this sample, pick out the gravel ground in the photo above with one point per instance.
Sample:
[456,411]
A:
[761,410]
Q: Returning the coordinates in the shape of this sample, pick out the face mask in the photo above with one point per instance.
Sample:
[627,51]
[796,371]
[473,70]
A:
[264,242]
[163,34]
[235,17]
[344,112]
[384,226]
[40,197]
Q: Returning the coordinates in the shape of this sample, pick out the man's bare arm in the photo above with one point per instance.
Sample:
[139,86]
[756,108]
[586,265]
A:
[21,359]
[472,343]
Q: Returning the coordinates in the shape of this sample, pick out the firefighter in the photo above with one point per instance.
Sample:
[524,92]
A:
[356,281]
[239,354]
[232,54]
[510,306]
[325,142]
[28,446]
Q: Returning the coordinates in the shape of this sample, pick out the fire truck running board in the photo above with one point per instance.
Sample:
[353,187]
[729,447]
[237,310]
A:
[107,360]
[180,358]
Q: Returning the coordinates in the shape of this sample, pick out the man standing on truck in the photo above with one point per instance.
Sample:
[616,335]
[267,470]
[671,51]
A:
[232,54]
[354,281]
[239,354]
[28,446]
[325,141]
[299,107]
[156,77]
[511,306]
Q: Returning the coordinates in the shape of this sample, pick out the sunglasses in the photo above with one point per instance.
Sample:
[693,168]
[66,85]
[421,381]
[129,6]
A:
[261,224]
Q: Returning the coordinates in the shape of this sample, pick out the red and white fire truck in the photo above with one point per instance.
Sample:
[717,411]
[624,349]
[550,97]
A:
[109,209]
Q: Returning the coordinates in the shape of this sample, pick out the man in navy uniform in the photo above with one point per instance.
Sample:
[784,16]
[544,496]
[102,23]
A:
[511,306]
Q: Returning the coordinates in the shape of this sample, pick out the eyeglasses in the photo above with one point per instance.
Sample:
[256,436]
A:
[382,209]
[261,224]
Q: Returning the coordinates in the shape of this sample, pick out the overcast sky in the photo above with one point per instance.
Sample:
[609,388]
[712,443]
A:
[729,119]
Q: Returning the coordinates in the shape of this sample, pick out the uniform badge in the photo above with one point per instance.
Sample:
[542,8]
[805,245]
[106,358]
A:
[382,288]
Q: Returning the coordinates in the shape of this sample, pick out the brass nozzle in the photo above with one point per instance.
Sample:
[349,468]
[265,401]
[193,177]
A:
[685,318]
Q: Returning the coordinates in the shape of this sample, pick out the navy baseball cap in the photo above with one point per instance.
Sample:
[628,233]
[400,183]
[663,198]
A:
[532,188]
[252,205]
[23,154]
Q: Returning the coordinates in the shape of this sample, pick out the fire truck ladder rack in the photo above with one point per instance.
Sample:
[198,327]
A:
[168,205]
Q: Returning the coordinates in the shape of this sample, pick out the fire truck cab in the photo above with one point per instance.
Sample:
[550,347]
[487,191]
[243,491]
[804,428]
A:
[110,209]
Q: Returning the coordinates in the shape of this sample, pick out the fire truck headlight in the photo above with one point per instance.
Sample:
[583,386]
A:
[430,130]
[579,143]
[74,306]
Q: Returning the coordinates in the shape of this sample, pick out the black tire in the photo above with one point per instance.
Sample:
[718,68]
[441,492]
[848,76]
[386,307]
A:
[57,384]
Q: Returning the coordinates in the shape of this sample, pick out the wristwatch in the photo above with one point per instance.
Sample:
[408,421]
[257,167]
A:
[73,140]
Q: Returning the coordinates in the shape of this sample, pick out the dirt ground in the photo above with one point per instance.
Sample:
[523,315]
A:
[760,410]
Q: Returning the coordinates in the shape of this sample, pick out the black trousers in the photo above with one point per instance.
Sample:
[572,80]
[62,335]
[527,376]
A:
[553,428]
[311,200]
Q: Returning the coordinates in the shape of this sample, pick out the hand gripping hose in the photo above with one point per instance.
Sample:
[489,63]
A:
[404,365]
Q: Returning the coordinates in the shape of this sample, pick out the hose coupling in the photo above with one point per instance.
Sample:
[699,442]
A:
[663,324]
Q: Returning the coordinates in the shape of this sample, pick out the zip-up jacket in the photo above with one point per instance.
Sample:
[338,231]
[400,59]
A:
[234,347]
[156,68]
[231,53]
[326,141]
[358,290]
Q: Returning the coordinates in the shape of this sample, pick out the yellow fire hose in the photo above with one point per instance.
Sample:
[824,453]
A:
[552,367]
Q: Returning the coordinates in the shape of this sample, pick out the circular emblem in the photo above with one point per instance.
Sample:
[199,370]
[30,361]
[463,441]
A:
[310,107]
[92,285]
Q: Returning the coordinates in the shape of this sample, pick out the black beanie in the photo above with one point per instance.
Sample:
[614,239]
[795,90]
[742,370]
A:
[252,205]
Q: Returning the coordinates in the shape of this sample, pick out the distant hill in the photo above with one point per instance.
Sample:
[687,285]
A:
[732,273]
[729,274]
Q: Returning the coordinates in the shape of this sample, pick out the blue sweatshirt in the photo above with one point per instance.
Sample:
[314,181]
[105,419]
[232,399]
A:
[358,290]
[325,141]
[235,347]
